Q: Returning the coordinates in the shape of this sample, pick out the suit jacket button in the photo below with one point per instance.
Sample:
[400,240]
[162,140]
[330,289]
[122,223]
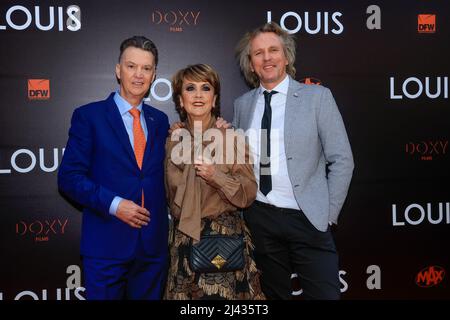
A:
[296,186]
[290,158]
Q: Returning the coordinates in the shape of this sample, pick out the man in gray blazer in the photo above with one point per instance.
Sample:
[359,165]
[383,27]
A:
[303,165]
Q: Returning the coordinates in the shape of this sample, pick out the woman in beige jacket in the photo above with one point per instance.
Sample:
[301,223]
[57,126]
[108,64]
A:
[209,177]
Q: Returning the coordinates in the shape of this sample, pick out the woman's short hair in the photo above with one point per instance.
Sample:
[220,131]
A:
[198,73]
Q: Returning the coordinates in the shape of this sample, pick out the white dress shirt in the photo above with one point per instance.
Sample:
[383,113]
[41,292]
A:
[282,194]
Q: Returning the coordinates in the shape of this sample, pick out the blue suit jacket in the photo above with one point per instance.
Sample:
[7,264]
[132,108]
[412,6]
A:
[99,164]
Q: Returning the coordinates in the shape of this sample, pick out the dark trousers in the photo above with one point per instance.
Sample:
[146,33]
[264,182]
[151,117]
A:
[285,243]
[141,277]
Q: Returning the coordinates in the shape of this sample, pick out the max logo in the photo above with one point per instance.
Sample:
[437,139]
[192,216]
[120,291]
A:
[426,23]
[430,276]
[38,89]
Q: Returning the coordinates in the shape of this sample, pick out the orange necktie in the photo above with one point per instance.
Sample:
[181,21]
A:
[139,140]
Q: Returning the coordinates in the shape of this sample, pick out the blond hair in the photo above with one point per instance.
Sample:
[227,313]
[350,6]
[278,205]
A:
[243,51]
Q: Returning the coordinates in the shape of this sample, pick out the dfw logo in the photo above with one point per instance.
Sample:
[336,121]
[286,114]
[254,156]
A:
[38,89]
[21,18]
[426,23]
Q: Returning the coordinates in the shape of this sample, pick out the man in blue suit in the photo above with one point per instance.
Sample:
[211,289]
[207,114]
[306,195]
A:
[113,167]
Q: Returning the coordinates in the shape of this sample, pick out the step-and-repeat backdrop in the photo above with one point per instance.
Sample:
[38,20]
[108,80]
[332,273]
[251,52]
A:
[386,62]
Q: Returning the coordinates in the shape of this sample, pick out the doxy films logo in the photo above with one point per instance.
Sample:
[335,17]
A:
[176,20]
[40,229]
[427,150]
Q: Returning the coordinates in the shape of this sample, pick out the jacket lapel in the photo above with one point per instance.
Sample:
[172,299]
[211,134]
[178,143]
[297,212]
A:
[152,131]
[293,109]
[118,127]
[247,115]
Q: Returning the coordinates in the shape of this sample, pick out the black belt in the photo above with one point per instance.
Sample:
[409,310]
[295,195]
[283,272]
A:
[275,208]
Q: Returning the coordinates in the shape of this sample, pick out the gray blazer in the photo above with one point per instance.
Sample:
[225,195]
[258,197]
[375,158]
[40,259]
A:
[314,136]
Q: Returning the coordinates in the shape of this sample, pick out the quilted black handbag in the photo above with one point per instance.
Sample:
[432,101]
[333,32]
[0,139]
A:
[217,253]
